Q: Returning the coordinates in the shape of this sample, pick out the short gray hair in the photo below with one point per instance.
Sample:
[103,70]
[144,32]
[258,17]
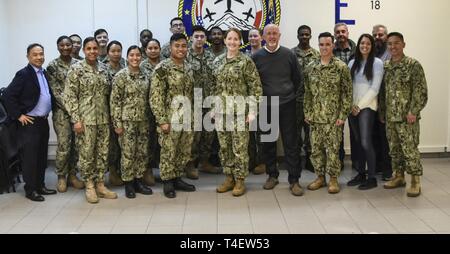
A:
[376,27]
[338,25]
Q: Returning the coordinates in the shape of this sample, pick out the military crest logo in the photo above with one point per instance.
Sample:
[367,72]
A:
[241,14]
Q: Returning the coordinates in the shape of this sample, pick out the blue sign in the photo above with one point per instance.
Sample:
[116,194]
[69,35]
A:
[339,5]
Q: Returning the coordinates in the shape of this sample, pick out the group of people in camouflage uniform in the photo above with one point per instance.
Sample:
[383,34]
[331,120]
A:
[118,114]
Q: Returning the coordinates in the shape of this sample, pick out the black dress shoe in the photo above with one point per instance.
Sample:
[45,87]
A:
[357,180]
[182,185]
[168,189]
[141,187]
[129,190]
[45,191]
[34,196]
[370,183]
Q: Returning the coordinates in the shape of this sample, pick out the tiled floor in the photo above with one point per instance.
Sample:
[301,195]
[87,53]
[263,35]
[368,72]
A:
[259,211]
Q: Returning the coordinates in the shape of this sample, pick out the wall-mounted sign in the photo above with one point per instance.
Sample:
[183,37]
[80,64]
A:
[241,14]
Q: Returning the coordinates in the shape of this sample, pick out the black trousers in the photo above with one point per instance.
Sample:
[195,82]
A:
[354,153]
[33,140]
[288,129]
[383,159]
[362,126]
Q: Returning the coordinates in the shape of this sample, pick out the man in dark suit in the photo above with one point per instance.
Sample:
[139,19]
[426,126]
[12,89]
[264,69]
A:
[28,99]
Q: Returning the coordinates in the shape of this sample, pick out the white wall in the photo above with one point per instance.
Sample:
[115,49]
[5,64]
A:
[4,24]
[424,26]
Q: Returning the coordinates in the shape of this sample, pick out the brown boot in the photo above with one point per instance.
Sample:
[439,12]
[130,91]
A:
[397,181]
[91,195]
[103,192]
[114,178]
[149,178]
[227,185]
[333,185]
[62,184]
[207,167]
[415,189]
[191,171]
[260,169]
[318,183]
[270,183]
[296,189]
[75,182]
[239,188]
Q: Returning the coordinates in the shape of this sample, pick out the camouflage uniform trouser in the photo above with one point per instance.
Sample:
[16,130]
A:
[303,140]
[114,152]
[175,153]
[134,144]
[66,152]
[93,147]
[234,151]
[154,147]
[403,141]
[325,142]
[201,146]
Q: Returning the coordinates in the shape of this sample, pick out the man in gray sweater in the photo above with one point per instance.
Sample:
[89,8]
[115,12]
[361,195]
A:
[281,77]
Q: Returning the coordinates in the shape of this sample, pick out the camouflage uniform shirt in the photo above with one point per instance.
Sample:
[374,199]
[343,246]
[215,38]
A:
[129,97]
[86,94]
[304,58]
[202,67]
[57,72]
[328,91]
[236,77]
[405,90]
[168,81]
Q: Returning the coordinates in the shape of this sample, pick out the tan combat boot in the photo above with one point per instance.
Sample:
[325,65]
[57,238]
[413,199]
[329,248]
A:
[333,185]
[149,178]
[397,181]
[318,183]
[207,167]
[91,195]
[260,169]
[75,182]
[415,188]
[114,178]
[239,188]
[62,184]
[191,171]
[103,192]
[227,185]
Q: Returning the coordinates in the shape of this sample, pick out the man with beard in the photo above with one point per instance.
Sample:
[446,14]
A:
[380,33]
[345,49]
[380,143]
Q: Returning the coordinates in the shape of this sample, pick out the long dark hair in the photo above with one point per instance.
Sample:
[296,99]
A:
[368,69]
